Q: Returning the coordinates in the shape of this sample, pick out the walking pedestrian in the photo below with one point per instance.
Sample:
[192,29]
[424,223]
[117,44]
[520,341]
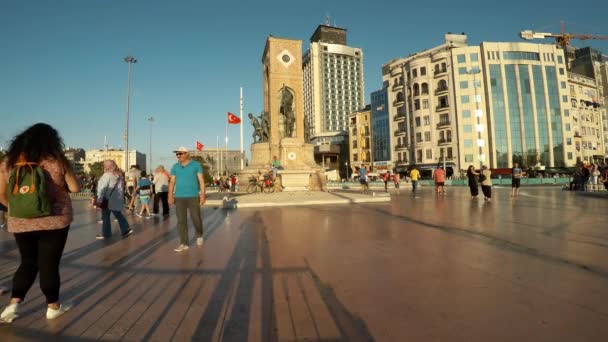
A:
[386,178]
[132,177]
[40,240]
[472,177]
[439,178]
[486,183]
[363,179]
[144,190]
[516,173]
[414,176]
[187,192]
[396,181]
[111,188]
[161,185]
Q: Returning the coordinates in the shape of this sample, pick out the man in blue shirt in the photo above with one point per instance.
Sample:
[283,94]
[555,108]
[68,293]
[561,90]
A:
[516,173]
[187,191]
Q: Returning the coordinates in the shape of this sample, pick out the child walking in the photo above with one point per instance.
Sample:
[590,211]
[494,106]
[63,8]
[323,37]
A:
[144,188]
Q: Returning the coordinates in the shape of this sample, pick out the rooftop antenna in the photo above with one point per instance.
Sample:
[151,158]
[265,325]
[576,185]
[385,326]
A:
[327,21]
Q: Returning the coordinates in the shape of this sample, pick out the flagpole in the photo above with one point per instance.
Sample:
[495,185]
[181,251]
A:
[226,154]
[242,159]
[219,157]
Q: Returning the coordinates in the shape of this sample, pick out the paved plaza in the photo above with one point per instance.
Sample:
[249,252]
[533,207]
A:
[434,268]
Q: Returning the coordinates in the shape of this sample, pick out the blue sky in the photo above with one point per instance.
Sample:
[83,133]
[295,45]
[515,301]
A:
[61,61]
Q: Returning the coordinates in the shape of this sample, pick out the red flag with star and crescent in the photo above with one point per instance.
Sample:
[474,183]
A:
[233,119]
[199,146]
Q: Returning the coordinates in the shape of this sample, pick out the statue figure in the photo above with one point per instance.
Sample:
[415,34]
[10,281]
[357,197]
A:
[289,117]
[257,128]
[265,117]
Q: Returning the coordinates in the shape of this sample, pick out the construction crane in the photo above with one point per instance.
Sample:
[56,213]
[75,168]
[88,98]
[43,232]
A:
[562,39]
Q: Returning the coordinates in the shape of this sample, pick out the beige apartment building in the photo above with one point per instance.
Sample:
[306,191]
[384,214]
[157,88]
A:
[431,101]
[360,139]
[586,119]
[135,157]
[492,104]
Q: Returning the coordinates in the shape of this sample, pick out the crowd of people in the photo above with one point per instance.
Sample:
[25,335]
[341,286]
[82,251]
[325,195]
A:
[41,209]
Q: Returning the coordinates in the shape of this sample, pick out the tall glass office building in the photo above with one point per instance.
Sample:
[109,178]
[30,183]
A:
[381,142]
[528,105]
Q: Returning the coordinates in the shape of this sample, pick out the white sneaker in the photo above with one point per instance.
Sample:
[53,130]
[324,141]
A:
[181,248]
[199,241]
[9,313]
[139,215]
[52,313]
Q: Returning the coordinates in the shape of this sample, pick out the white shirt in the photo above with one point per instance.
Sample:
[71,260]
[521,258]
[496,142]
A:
[161,182]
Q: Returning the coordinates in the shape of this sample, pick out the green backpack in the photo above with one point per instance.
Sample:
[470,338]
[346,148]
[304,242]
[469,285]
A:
[28,195]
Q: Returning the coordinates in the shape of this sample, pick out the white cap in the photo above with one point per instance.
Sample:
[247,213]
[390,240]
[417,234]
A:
[181,149]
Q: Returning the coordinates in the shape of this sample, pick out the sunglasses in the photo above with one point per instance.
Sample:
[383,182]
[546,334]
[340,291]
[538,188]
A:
[179,153]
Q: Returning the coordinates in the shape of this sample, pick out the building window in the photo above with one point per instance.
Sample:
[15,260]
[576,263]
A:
[466,113]
[570,155]
[568,141]
[468,143]
[468,158]
[566,112]
[429,154]
[462,71]
[414,72]
[565,98]
[563,84]
[474,57]
[560,59]
[461,58]
[567,127]
[422,71]
[561,71]
[464,84]
[425,104]
[418,137]
[427,120]
[427,136]
[417,120]
[464,98]
[467,128]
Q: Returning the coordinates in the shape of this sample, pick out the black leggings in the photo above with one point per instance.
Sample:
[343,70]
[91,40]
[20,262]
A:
[40,251]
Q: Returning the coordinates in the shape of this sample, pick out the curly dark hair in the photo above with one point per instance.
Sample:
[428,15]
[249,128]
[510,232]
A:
[36,143]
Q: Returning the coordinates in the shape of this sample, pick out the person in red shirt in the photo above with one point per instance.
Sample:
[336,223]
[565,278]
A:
[439,177]
[386,178]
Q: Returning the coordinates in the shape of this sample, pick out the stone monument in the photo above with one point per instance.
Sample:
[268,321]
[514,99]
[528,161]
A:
[279,130]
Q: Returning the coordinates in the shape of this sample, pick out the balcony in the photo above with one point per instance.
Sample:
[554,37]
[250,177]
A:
[441,90]
[397,103]
[397,87]
[399,132]
[402,163]
[399,117]
[444,141]
[443,124]
[440,72]
[442,106]
[400,147]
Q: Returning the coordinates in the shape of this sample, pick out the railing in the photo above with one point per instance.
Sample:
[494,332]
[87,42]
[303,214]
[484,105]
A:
[399,132]
[399,117]
[442,106]
[400,147]
[441,90]
[398,102]
[443,124]
[440,71]
[444,141]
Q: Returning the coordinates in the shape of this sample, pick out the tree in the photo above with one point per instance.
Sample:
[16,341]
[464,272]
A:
[96,169]
[2,155]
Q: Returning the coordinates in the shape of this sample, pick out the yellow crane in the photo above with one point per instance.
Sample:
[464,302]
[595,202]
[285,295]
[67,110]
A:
[562,39]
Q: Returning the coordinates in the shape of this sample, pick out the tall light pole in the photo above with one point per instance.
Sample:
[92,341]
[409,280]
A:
[150,120]
[478,115]
[130,60]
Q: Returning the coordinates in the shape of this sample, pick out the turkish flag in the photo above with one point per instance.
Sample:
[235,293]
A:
[199,146]
[233,119]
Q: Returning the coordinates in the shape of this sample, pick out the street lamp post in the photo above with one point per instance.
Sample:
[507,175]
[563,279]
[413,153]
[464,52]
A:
[150,120]
[347,178]
[130,60]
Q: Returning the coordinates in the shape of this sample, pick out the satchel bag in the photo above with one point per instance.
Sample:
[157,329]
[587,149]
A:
[104,201]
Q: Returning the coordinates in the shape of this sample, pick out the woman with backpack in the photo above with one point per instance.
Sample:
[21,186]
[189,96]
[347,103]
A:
[40,236]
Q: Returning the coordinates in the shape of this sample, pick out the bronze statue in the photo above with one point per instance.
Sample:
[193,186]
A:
[287,111]
[257,128]
[265,117]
